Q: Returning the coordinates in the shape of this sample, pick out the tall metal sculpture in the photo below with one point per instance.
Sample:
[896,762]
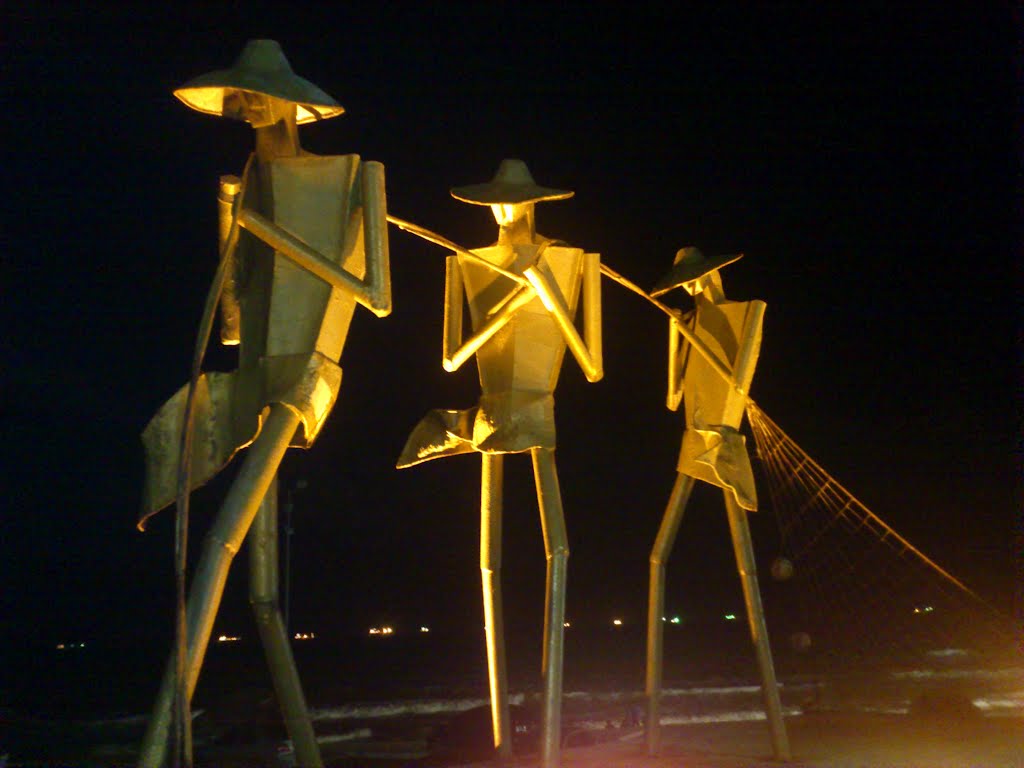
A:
[713,386]
[314,243]
[522,293]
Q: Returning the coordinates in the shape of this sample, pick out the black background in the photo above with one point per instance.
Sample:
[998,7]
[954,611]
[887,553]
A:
[863,156]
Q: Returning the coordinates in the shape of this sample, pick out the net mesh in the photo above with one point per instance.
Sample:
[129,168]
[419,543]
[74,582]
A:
[851,588]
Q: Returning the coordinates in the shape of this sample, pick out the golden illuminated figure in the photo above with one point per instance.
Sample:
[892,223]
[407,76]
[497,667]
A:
[522,294]
[303,240]
[712,353]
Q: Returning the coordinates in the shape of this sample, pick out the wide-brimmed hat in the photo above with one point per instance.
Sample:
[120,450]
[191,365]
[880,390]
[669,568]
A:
[511,185]
[261,68]
[691,265]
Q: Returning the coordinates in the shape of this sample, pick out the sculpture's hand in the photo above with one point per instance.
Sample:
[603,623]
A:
[513,301]
[682,319]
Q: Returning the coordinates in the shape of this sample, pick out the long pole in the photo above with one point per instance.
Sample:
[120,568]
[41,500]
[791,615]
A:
[289,501]
[744,550]
[720,368]
[434,237]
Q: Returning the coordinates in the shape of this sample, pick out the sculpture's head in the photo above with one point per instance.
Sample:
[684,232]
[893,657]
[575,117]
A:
[693,271]
[511,194]
[260,88]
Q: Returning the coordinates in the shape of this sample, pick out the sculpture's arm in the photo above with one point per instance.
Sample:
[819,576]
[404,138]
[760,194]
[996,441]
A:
[455,351]
[377,293]
[373,292]
[750,346]
[588,354]
[678,348]
[230,309]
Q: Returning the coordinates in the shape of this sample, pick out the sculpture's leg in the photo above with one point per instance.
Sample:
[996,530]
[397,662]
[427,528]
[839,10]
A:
[222,542]
[263,595]
[656,604]
[556,547]
[744,549]
[490,577]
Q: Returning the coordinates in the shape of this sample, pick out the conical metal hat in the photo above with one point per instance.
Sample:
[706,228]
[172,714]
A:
[511,185]
[691,265]
[261,68]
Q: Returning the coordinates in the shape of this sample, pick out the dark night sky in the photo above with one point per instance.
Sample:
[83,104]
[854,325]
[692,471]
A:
[861,156]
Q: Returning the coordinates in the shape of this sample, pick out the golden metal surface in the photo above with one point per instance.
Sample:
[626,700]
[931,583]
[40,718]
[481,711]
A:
[712,387]
[316,245]
[519,336]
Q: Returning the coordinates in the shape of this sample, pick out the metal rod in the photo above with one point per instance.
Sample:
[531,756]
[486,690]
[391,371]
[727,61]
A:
[231,190]
[436,239]
[555,304]
[656,605]
[556,548]
[592,308]
[263,596]
[744,549]
[720,368]
[493,324]
[222,543]
[490,576]
[298,252]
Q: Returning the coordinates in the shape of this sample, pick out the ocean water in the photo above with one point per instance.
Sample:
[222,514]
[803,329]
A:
[422,700]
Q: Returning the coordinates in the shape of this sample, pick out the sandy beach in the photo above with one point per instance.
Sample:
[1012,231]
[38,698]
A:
[821,741]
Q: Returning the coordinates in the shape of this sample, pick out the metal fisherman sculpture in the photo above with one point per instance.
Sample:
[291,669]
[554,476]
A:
[303,240]
[522,293]
[713,386]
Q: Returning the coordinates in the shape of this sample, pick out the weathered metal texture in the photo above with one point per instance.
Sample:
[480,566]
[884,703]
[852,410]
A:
[290,353]
[221,545]
[712,449]
[712,385]
[520,356]
[744,550]
[521,330]
[556,550]
[518,360]
[328,216]
[230,312]
[306,383]
[660,552]
[262,70]
[263,595]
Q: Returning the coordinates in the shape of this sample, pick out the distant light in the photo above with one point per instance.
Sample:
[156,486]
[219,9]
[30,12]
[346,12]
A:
[566,624]
[374,630]
[730,617]
[60,646]
[617,622]
[947,652]
[228,639]
[424,629]
[676,620]
[304,635]
[385,630]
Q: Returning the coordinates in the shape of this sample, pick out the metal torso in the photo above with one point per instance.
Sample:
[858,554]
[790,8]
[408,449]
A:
[526,355]
[727,329]
[286,310]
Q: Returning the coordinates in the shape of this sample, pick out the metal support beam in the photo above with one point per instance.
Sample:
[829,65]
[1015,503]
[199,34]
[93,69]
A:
[744,549]
[222,543]
[263,596]
[490,577]
[656,605]
[556,548]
